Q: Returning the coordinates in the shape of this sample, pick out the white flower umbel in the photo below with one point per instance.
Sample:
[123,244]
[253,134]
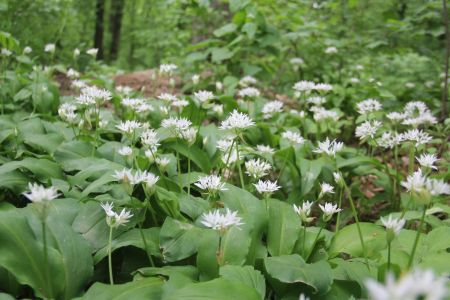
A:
[395,117]
[414,285]
[329,147]
[316,100]
[221,222]
[303,87]
[27,50]
[367,106]
[263,149]
[390,140]
[168,97]
[331,50]
[249,92]
[325,188]
[125,151]
[190,135]
[271,108]
[304,211]
[114,219]
[237,121]
[67,112]
[417,136]
[329,209]
[150,180]
[150,139]
[367,129]
[266,187]
[176,124]
[162,162]
[92,52]
[427,160]
[129,127]
[99,95]
[247,81]
[257,168]
[393,225]
[49,48]
[437,187]
[212,184]
[415,183]
[203,96]
[293,137]
[167,68]
[39,193]
[323,87]
[417,113]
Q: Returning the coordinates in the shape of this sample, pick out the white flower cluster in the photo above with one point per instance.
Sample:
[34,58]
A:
[293,137]
[271,108]
[39,193]
[167,68]
[249,92]
[257,168]
[114,219]
[306,87]
[247,81]
[368,106]
[414,285]
[67,112]
[417,183]
[135,177]
[237,121]
[266,187]
[367,129]
[329,147]
[304,211]
[211,183]
[221,222]
[322,114]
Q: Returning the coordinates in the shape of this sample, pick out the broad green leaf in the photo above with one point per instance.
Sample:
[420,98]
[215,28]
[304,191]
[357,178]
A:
[310,171]
[347,240]
[217,289]
[283,228]
[246,275]
[178,240]
[224,30]
[133,238]
[293,269]
[235,245]
[43,169]
[221,54]
[144,289]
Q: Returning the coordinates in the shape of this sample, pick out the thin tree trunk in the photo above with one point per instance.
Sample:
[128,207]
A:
[98,36]
[131,30]
[115,20]
[444,100]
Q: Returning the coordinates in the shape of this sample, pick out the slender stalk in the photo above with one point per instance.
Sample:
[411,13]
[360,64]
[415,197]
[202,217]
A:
[219,252]
[355,216]
[144,240]
[238,162]
[389,256]
[416,241]
[304,239]
[315,241]
[411,159]
[338,218]
[189,176]
[111,280]
[47,267]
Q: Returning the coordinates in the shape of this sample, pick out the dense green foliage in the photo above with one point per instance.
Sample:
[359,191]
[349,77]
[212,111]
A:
[295,150]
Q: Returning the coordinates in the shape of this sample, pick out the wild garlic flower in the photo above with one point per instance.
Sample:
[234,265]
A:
[150,180]
[195,79]
[212,184]
[417,113]
[180,104]
[271,108]
[322,114]
[414,285]
[323,87]
[326,188]
[92,52]
[247,81]
[218,109]
[338,179]
[67,112]
[125,151]
[124,175]
[257,168]
[144,107]
[126,90]
[99,95]
[162,162]
[304,211]
[427,160]
[129,126]
[167,97]
[189,134]
[71,73]
[237,121]
[150,139]
[390,140]
[296,61]
[49,48]
[437,187]
[249,92]
[393,225]
[293,137]
[368,106]
[114,219]
[224,145]
[203,96]
[167,68]
[132,103]
[219,86]
[329,147]
[76,52]
[304,86]
[367,129]
[329,209]
[396,117]
[6,52]
[27,50]
[266,187]
[417,136]
[316,100]
[263,149]
[331,50]
[221,222]
[178,124]
[39,193]
[415,183]
[79,84]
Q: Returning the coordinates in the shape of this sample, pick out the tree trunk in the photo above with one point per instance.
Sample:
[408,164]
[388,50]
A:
[115,20]
[98,36]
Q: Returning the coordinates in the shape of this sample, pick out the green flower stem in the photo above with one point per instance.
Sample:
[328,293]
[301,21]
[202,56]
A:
[46,264]
[144,241]
[189,176]
[219,252]
[229,155]
[412,152]
[315,241]
[338,218]
[238,162]
[355,216]
[111,280]
[397,178]
[304,239]
[389,256]
[416,241]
